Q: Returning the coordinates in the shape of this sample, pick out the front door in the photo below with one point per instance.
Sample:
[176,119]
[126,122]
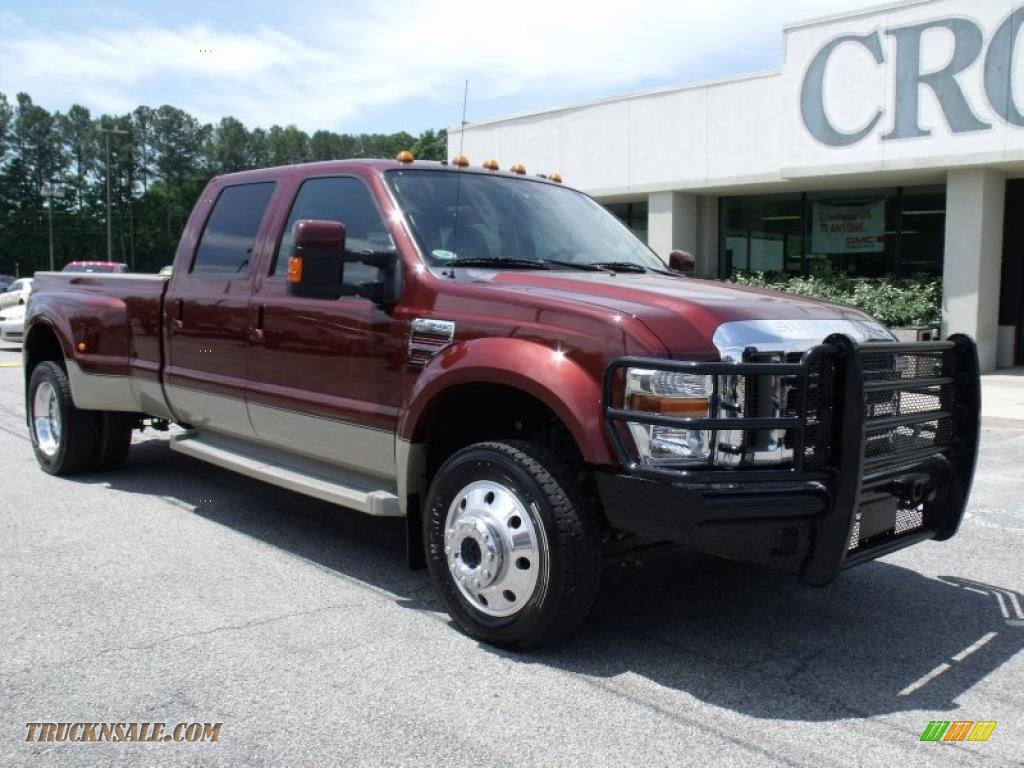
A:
[324,373]
[207,309]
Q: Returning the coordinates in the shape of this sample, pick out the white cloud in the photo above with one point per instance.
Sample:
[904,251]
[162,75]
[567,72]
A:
[338,65]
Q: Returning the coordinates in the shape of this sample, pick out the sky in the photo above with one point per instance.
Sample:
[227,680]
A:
[379,66]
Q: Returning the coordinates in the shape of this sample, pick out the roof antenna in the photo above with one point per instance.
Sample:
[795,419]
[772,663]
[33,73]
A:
[458,178]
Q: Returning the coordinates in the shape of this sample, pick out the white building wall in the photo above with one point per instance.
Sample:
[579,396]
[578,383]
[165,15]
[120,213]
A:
[974,247]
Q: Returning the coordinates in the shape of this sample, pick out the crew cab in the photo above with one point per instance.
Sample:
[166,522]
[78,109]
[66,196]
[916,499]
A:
[495,358]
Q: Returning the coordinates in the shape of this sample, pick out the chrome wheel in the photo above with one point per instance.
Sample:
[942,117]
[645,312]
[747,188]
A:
[46,419]
[493,549]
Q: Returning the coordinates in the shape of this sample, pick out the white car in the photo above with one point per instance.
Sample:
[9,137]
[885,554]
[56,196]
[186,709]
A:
[12,323]
[17,293]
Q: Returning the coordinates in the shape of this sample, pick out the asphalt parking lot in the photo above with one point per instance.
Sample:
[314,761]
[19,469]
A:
[172,591]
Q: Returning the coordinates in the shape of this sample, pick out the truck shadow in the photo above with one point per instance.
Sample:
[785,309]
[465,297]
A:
[882,639]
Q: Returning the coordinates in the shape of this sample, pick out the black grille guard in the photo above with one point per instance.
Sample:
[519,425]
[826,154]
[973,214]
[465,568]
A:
[871,418]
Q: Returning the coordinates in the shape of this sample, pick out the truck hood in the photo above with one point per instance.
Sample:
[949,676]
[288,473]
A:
[703,318]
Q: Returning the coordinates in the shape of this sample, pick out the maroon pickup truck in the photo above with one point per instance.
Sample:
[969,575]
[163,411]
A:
[497,359]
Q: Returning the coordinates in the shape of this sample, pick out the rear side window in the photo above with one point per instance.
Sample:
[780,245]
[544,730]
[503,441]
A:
[338,198]
[230,234]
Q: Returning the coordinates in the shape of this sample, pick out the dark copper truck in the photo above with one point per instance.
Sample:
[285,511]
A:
[495,358]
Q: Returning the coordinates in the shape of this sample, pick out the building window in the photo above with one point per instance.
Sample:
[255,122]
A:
[892,232]
[633,215]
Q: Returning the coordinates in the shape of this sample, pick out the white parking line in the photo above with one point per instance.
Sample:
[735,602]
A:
[944,666]
[972,648]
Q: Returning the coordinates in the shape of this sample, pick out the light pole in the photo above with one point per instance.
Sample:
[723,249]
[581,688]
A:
[110,240]
[50,192]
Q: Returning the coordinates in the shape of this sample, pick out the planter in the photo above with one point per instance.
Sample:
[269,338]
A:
[916,333]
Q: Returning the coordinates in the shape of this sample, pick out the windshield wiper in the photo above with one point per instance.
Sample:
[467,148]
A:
[620,266]
[574,265]
[497,261]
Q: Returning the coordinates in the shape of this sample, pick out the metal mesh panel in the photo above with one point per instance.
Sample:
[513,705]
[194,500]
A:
[921,395]
[901,366]
[904,439]
[909,517]
[817,435]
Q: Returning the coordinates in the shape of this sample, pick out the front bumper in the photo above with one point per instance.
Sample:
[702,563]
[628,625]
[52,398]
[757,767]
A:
[885,443]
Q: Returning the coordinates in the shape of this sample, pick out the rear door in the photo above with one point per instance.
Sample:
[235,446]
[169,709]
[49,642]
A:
[206,311]
[324,373]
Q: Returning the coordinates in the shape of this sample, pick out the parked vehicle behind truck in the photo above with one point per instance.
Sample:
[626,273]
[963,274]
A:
[495,358]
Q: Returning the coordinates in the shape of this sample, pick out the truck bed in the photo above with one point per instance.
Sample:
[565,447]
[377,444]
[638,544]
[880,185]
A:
[113,326]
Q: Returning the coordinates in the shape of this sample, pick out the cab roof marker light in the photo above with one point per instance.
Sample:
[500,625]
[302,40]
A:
[461,161]
[555,177]
[491,165]
[518,168]
[405,156]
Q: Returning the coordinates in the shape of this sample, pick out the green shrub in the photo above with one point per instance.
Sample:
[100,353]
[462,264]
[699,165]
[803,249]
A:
[895,303]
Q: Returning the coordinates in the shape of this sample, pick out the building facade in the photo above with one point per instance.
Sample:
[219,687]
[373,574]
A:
[889,144]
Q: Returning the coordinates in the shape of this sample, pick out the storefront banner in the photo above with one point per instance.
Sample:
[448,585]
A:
[848,228]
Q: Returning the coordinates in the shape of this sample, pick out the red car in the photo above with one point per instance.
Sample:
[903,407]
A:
[109,267]
[495,358]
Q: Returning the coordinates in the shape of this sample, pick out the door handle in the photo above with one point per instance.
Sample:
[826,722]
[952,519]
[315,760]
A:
[176,324]
[256,332]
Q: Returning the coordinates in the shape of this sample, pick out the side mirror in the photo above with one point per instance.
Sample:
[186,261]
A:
[681,261]
[316,268]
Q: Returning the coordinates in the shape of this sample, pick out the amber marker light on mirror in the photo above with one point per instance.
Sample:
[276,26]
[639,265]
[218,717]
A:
[491,165]
[405,156]
[81,346]
[462,161]
[295,269]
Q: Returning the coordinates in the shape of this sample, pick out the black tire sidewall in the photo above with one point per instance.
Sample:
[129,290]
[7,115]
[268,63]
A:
[481,463]
[54,376]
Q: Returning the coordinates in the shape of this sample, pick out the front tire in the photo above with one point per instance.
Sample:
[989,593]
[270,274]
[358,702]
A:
[513,553]
[64,437]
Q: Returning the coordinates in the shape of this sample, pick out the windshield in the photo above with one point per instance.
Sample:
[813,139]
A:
[506,218]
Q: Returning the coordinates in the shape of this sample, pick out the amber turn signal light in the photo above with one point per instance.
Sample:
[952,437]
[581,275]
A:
[692,407]
[295,269]
[518,168]
[405,156]
[491,165]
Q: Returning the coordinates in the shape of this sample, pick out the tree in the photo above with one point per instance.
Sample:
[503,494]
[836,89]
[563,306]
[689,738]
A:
[157,171]
[230,145]
[287,145]
[431,145]
[6,120]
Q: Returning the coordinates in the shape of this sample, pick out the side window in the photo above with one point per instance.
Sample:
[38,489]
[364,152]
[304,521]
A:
[338,198]
[230,234]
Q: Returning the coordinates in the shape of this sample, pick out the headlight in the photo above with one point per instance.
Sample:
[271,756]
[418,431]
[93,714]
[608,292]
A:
[669,393]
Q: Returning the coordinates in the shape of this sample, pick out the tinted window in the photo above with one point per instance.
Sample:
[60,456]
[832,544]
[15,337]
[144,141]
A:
[344,199]
[230,234]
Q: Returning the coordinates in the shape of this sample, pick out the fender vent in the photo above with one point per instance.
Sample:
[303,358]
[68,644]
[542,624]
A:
[428,337]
